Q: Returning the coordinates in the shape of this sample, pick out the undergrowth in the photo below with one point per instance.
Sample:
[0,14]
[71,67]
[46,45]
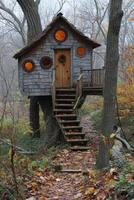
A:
[33,155]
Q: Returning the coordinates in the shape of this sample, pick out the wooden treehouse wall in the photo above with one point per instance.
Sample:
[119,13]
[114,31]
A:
[39,81]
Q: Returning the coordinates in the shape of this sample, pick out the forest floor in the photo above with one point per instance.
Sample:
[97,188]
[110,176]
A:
[89,184]
[67,186]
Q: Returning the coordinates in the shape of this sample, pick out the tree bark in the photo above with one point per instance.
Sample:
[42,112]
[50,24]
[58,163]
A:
[30,10]
[34,116]
[53,132]
[111,66]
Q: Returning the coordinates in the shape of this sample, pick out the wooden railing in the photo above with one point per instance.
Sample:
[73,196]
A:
[53,93]
[53,89]
[79,87]
[93,77]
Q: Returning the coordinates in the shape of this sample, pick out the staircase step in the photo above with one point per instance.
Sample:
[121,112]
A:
[70,122]
[67,116]
[65,111]
[77,141]
[75,134]
[65,100]
[72,128]
[66,90]
[79,148]
[65,93]
[65,96]
[64,105]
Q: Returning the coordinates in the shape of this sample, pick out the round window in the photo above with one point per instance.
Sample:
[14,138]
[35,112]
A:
[46,62]
[60,35]
[28,65]
[81,51]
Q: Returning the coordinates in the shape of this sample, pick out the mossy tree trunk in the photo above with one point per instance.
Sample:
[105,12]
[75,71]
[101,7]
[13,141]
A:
[111,66]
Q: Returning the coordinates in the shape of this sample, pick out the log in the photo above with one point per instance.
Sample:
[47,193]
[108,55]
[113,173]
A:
[119,141]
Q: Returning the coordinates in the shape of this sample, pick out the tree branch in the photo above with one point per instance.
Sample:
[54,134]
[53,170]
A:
[99,23]
[61,4]
[20,25]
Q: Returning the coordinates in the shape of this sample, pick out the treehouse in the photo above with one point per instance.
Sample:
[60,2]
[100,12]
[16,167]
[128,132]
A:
[59,64]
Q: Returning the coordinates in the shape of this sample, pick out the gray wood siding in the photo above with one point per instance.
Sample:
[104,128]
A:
[39,81]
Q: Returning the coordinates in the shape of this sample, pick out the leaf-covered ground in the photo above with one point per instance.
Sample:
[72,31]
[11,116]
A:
[88,184]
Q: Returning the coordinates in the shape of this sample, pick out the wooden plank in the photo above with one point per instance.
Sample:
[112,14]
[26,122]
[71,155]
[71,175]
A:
[63,70]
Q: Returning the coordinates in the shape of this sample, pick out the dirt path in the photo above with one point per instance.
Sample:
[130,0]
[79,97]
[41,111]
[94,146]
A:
[50,185]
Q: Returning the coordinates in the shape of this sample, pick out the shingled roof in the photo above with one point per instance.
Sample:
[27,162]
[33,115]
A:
[58,18]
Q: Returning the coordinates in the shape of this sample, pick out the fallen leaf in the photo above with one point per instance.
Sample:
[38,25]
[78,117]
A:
[90,190]
[31,198]
[42,198]
[58,179]
[77,195]
[38,173]
[101,196]
[42,178]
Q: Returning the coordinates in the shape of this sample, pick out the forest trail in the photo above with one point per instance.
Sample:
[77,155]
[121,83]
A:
[50,185]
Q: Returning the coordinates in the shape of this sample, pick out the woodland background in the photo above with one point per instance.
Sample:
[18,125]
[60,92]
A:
[91,17]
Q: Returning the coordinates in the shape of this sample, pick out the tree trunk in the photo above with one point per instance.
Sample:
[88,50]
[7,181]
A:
[53,132]
[30,10]
[111,66]
[34,116]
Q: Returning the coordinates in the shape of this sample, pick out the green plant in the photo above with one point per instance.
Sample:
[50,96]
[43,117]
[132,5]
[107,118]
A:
[6,193]
[123,187]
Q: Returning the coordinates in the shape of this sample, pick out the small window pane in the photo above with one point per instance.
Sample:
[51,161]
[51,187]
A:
[81,51]
[60,35]
[46,62]
[28,65]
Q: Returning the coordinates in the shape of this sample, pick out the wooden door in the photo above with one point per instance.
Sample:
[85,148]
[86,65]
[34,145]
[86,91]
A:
[63,68]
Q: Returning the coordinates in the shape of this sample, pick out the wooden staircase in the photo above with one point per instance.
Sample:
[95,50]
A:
[65,113]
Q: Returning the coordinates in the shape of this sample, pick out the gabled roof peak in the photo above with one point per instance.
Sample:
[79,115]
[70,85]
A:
[60,14]
[50,26]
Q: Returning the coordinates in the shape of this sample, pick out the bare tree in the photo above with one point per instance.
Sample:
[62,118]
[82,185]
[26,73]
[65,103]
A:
[30,10]
[111,66]
[48,12]
[93,15]
[12,21]
[99,19]
[127,32]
